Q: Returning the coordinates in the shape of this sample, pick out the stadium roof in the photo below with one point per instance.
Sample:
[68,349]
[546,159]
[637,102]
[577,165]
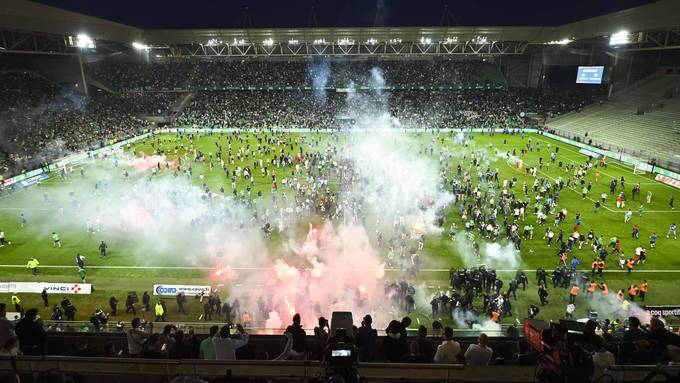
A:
[210,14]
[22,15]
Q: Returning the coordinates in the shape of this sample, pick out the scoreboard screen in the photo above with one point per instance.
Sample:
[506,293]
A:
[589,75]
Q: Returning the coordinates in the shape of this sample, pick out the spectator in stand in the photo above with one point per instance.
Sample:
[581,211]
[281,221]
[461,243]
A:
[136,337]
[183,348]
[152,348]
[224,346]
[635,346]
[449,351]
[662,337]
[321,336]
[392,347]
[425,345]
[299,349]
[207,351]
[479,354]
[167,338]
[415,355]
[403,330]
[10,348]
[31,333]
[85,350]
[6,327]
[524,356]
[366,339]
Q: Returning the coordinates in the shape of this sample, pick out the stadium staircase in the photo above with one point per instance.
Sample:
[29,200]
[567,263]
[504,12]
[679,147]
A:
[92,81]
[183,101]
[640,122]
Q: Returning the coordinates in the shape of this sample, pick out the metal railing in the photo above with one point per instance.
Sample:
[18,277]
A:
[204,328]
[155,370]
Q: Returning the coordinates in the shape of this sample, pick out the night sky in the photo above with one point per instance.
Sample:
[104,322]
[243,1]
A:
[195,14]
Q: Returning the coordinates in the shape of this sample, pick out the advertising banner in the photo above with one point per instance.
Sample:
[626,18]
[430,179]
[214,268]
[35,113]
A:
[663,311]
[589,153]
[52,288]
[188,290]
[668,180]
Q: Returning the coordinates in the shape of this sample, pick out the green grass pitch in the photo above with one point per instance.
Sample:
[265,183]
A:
[121,271]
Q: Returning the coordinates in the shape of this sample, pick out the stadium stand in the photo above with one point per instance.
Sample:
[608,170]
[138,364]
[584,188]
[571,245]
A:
[222,74]
[122,91]
[44,119]
[643,114]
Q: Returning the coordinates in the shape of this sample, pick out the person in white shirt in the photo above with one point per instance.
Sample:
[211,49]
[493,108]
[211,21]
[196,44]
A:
[136,337]
[225,347]
[449,350]
[479,354]
[602,360]
[10,348]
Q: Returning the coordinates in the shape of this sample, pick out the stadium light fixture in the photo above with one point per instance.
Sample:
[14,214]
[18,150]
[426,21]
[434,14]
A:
[619,38]
[319,41]
[425,40]
[395,41]
[140,46]
[559,42]
[451,40]
[293,42]
[213,42]
[84,41]
[345,41]
[371,41]
[239,42]
[268,42]
[480,40]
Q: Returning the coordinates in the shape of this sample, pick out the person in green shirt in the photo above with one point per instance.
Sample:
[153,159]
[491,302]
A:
[56,242]
[82,272]
[640,210]
[206,350]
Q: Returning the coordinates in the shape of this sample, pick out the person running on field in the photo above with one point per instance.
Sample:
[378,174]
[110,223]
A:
[56,241]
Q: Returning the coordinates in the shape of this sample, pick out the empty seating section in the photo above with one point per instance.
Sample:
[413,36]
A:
[615,124]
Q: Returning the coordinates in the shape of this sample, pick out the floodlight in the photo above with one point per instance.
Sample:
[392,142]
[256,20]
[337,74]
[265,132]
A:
[140,46]
[239,42]
[319,41]
[293,42]
[395,41]
[560,42]
[425,40]
[371,41]
[451,40]
[84,41]
[345,41]
[268,42]
[480,40]
[619,38]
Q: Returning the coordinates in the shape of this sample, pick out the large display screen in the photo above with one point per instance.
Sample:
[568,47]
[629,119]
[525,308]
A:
[589,75]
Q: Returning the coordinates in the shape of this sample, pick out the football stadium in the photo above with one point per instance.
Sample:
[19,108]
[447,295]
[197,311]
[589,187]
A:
[344,191]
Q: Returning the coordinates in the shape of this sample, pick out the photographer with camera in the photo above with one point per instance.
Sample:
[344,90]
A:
[224,346]
[137,335]
[340,358]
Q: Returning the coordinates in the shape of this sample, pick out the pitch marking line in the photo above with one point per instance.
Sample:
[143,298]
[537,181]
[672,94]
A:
[614,163]
[269,268]
[593,200]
